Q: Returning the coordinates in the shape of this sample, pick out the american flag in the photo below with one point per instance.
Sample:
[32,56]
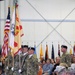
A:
[6,35]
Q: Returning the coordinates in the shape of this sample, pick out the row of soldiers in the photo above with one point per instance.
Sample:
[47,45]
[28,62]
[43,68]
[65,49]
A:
[25,63]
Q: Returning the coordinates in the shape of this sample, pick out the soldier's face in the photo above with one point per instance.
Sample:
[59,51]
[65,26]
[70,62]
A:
[25,50]
[30,52]
[63,49]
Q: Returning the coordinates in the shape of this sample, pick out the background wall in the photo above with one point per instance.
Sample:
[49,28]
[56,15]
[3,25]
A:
[59,28]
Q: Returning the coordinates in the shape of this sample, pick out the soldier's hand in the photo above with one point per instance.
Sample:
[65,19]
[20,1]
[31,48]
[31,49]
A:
[12,68]
[19,70]
[7,67]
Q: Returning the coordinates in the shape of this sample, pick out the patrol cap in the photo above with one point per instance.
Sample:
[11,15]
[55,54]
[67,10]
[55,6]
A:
[31,48]
[63,46]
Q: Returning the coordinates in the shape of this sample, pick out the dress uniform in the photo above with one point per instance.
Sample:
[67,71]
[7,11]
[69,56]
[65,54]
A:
[31,63]
[65,58]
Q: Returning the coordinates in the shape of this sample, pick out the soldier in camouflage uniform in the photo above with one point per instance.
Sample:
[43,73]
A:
[31,63]
[16,65]
[65,58]
[24,57]
[8,64]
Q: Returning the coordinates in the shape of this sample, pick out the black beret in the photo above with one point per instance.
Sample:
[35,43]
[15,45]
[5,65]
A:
[24,46]
[31,48]
[63,46]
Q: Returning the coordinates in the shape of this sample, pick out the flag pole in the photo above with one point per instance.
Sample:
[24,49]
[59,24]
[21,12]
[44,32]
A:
[15,2]
[8,36]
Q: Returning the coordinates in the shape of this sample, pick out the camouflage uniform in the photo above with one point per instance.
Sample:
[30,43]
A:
[65,58]
[23,64]
[16,65]
[8,63]
[32,66]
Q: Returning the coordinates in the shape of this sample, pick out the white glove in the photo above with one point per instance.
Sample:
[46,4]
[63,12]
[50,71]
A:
[19,70]
[7,68]
[12,68]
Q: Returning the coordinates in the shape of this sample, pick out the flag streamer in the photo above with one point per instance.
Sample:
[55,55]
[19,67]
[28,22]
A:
[41,53]
[52,54]
[46,53]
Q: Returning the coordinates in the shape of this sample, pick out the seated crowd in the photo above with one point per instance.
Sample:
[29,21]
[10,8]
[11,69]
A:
[46,67]
[64,65]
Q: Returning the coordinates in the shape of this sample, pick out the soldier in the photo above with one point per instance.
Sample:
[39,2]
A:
[24,56]
[17,62]
[8,64]
[15,67]
[65,58]
[31,63]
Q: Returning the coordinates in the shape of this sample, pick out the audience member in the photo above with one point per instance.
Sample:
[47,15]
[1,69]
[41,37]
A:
[53,61]
[73,64]
[47,68]
[43,62]
[56,64]
[40,69]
